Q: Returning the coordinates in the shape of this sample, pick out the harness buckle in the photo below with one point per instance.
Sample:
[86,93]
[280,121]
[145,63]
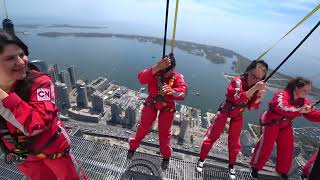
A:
[15,158]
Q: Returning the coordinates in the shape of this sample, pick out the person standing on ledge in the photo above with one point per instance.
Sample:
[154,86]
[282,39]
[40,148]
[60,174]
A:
[276,126]
[244,92]
[165,85]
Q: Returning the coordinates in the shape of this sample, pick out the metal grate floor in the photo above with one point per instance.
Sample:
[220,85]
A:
[104,162]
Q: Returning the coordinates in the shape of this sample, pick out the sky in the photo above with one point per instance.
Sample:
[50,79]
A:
[245,26]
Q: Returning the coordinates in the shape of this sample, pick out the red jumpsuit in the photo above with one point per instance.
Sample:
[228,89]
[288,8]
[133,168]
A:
[38,121]
[233,107]
[308,167]
[149,113]
[277,130]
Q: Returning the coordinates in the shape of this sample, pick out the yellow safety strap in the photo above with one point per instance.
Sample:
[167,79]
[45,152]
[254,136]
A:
[297,25]
[55,155]
[41,155]
[174,26]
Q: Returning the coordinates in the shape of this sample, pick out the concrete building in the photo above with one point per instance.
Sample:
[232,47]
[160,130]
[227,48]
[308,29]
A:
[131,115]
[97,102]
[84,115]
[183,128]
[82,97]
[247,143]
[116,112]
[74,76]
[63,101]
[246,139]
[65,78]
[56,71]
[53,74]
[99,84]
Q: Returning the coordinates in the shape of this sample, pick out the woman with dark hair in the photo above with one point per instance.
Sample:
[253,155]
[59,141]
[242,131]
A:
[165,86]
[276,126]
[31,134]
[244,92]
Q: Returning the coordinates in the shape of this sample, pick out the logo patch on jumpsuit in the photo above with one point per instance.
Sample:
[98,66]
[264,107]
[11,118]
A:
[43,94]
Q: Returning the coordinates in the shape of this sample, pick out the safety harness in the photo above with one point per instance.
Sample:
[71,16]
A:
[22,144]
[158,102]
[277,121]
[284,118]
[231,105]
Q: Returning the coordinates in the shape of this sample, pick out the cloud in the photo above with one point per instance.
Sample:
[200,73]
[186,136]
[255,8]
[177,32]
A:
[295,6]
[298,5]
[278,14]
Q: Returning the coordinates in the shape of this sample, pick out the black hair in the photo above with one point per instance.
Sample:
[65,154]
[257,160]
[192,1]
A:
[172,61]
[297,82]
[6,39]
[254,64]
[23,87]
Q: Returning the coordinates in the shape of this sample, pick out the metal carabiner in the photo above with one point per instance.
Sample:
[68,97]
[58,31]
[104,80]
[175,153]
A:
[10,158]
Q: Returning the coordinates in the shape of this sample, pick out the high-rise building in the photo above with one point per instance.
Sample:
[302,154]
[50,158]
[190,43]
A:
[246,138]
[65,78]
[73,72]
[56,71]
[183,128]
[41,65]
[115,112]
[53,75]
[63,101]
[131,115]
[97,102]
[53,71]
[247,143]
[82,97]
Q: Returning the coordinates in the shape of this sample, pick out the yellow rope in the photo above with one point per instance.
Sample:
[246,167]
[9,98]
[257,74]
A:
[174,26]
[299,23]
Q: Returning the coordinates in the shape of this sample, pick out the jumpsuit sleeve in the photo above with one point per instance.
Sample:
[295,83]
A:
[180,87]
[235,93]
[145,76]
[282,106]
[314,115]
[34,116]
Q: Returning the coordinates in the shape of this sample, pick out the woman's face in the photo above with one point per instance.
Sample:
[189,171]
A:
[256,74]
[169,73]
[13,64]
[303,91]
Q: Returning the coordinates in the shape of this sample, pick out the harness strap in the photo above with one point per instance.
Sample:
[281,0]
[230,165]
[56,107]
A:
[274,121]
[19,154]
[54,155]
[164,106]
